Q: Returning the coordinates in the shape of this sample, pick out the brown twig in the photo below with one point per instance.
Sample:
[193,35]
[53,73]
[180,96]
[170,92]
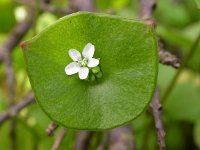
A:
[166,58]
[121,138]
[45,6]
[59,139]
[29,99]
[17,34]
[5,55]
[83,140]
[155,109]
[51,129]
[82,5]
[10,80]
[191,52]
[146,8]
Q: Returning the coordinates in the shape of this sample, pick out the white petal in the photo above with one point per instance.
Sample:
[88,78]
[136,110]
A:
[83,73]
[72,68]
[92,62]
[88,51]
[74,54]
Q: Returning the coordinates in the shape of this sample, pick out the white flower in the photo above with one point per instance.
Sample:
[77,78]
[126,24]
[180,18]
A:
[82,65]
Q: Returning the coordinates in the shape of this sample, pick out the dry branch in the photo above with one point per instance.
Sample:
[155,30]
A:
[169,59]
[165,57]
[51,129]
[5,55]
[146,10]
[10,81]
[191,52]
[45,6]
[121,138]
[13,111]
[155,109]
[83,140]
[82,5]
[59,139]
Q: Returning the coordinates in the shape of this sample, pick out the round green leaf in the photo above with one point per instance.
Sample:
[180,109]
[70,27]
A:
[128,59]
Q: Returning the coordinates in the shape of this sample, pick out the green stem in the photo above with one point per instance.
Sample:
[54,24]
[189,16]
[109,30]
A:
[183,64]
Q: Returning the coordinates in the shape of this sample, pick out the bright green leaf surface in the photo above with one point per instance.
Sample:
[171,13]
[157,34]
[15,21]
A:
[128,57]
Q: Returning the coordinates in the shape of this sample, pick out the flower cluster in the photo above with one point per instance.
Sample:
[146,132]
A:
[82,64]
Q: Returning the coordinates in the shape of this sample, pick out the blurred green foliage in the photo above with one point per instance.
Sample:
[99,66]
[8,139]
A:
[7,18]
[178,24]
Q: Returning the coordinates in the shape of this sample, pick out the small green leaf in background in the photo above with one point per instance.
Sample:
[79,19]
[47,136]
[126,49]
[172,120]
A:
[44,20]
[7,17]
[128,58]
[111,4]
[177,16]
[198,3]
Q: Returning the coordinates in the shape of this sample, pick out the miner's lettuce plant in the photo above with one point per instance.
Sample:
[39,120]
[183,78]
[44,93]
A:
[126,58]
